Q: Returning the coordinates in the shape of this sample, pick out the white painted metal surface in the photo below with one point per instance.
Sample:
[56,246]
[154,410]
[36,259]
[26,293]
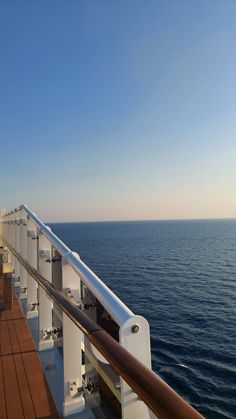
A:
[45,304]
[32,257]
[16,237]
[23,252]
[72,342]
[35,242]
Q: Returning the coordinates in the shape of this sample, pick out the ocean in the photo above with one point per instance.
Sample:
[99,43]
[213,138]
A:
[181,276]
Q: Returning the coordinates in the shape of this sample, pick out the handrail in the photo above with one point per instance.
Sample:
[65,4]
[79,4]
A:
[158,396]
[113,305]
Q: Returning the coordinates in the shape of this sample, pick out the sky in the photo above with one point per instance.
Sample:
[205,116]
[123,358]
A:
[118,109]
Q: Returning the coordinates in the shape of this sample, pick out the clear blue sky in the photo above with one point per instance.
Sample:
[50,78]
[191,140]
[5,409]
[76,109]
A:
[116,109]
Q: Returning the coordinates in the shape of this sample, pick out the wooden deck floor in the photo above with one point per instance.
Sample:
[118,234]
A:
[24,391]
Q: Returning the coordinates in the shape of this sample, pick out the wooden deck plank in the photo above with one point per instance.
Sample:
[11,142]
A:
[23,335]
[10,307]
[8,314]
[42,399]
[2,315]
[17,312]
[7,301]
[6,348]
[13,337]
[3,409]
[13,399]
[24,392]
[7,292]
[13,310]
[24,389]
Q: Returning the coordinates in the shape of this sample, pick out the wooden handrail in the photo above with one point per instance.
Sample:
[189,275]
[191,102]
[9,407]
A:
[156,394]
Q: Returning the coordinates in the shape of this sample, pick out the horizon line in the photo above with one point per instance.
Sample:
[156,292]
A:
[143,220]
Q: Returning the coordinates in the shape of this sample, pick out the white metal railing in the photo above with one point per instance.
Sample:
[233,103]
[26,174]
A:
[52,259]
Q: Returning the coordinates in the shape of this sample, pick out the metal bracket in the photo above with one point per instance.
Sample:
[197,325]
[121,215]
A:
[17,282]
[45,254]
[33,306]
[91,386]
[75,391]
[88,306]
[73,295]
[55,333]
[47,333]
[23,293]
[54,259]
[31,233]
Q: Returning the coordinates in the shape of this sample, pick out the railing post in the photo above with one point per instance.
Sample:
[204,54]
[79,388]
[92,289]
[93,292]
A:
[2,229]
[72,340]
[45,304]
[8,237]
[23,253]
[11,259]
[2,226]
[12,242]
[32,257]
[6,229]
[16,245]
[10,221]
[135,337]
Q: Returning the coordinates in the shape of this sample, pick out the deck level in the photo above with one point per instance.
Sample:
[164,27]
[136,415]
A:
[24,392]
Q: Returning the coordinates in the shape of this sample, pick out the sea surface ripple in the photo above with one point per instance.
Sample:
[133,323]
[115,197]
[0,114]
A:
[181,276]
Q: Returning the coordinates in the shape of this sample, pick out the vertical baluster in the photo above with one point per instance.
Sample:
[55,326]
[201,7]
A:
[2,228]
[6,236]
[16,237]
[32,258]
[9,240]
[12,243]
[72,339]
[135,337]
[23,253]
[45,304]
[5,231]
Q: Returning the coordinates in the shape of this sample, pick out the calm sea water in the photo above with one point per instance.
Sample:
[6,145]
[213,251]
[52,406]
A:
[181,276]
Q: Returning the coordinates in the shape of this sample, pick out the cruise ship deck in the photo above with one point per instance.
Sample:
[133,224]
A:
[24,392]
[68,346]
[31,382]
